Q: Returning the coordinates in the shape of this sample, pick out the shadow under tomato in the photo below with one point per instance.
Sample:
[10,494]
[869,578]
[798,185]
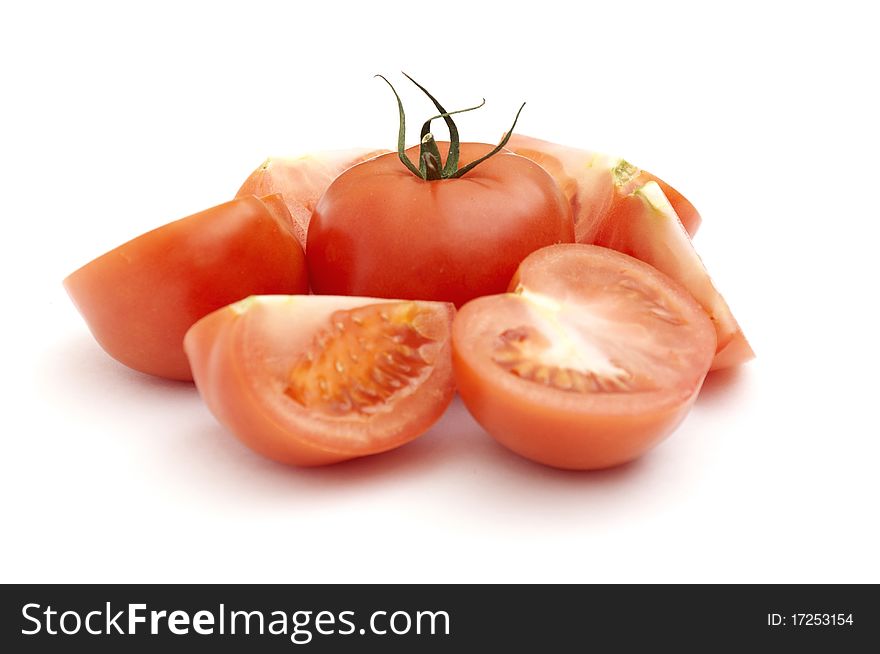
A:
[721,384]
[513,489]
[456,447]
[415,459]
[80,360]
[560,476]
[456,465]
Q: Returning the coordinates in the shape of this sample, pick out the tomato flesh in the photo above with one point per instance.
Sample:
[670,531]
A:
[592,359]
[311,380]
[360,360]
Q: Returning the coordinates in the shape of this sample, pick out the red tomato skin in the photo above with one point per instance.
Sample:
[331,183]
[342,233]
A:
[593,443]
[211,346]
[381,231]
[140,298]
[226,360]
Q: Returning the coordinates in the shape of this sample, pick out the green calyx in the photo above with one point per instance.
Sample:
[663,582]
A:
[430,165]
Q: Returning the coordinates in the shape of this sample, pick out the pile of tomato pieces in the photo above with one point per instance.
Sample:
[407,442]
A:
[555,289]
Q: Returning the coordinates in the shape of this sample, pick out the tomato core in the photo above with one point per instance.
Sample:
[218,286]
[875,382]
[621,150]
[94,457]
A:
[580,345]
[524,352]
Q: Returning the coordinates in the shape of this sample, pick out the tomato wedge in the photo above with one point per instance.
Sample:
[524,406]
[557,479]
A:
[591,182]
[302,180]
[141,297]
[644,225]
[591,360]
[618,206]
[312,380]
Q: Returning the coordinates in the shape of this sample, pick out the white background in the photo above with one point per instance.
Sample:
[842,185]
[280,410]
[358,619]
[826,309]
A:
[117,119]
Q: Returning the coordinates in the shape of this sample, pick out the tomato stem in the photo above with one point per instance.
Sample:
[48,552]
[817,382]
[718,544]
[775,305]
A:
[454,139]
[429,154]
[452,157]
[427,126]
[401,133]
[497,149]
[429,158]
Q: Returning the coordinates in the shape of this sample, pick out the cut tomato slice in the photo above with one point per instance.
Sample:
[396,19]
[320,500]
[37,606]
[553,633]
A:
[592,359]
[302,180]
[312,380]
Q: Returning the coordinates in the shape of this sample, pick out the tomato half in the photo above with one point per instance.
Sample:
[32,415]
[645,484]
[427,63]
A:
[592,183]
[141,297]
[312,380]
[302,180]
[591,360]
[381,231]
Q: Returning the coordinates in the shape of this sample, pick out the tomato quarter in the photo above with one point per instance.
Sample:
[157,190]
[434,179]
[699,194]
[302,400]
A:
[644,225]
[141,297]
[592,359]
[312,380]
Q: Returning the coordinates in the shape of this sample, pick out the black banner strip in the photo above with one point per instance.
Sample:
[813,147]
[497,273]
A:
[436,618]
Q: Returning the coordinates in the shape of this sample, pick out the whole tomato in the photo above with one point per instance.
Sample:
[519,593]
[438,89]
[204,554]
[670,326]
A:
[381,231]
[453,227]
